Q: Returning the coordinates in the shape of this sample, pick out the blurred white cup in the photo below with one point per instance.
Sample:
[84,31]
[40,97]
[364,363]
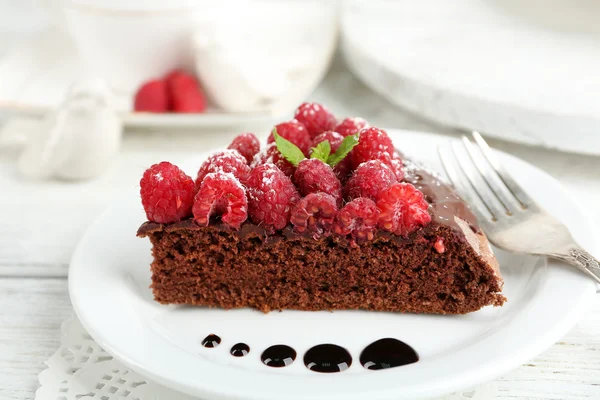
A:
[264,55]
[129,42]
[250,55]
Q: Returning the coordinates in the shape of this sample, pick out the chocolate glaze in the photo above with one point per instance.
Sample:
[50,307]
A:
[444,202]
[444,206]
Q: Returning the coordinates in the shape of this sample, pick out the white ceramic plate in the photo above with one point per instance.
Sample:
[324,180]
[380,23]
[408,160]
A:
[109,279]
[519,71]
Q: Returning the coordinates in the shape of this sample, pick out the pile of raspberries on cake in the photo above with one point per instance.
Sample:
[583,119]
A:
[315,174]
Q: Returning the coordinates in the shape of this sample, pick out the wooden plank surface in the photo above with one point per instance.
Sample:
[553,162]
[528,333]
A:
[31,313]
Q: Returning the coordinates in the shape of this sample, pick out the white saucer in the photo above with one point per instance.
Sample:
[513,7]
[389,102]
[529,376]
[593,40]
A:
[35,77]
[522,71]
[109,279]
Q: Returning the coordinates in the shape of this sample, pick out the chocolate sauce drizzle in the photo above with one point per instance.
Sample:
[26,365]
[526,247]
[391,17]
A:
[240,350]
[278,356]
[211,341]
[387,353]
[327,358]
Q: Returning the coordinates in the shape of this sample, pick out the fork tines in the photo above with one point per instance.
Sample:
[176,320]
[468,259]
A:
[477,174]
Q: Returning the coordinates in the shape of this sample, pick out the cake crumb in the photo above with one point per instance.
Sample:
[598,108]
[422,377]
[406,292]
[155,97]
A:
[439,245]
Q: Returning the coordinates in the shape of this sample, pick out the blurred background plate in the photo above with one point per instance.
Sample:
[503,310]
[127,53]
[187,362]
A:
[35,77]
[524,71]
[248,74]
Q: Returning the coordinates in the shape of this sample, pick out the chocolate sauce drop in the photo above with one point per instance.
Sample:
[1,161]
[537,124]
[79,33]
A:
[211,341]
[240,350]
[327,358]
[387,353]
[278,356]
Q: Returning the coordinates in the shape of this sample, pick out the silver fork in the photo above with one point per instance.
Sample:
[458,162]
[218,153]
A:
[510,218]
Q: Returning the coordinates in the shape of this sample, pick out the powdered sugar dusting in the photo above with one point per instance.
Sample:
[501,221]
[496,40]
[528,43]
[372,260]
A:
[230,161]
[228,154]
[269,153]
[226,175]
[268,176]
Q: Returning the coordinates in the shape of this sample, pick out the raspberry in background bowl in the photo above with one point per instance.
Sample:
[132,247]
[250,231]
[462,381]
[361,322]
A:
[256,55]
[129,42]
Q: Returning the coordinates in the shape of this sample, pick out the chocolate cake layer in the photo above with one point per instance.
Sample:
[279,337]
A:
[214,266]
[220,267]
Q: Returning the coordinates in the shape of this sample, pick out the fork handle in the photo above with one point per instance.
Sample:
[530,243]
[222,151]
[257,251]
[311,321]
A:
[583,260]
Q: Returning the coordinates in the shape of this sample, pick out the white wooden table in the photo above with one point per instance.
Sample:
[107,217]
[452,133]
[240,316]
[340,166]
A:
[40,223]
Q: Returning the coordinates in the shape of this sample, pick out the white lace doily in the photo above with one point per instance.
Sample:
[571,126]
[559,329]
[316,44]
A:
[82,370]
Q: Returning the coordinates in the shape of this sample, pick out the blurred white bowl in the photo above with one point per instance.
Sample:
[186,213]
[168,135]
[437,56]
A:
[251,55]
[129,42]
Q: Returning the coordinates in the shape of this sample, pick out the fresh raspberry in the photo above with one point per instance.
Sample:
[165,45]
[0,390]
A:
[167,193]
[350,126]
[271,196]
[402,209]
[369,179]
[185,93]
[224,161]
[397,166]
[314,175]
[221,194]
[315,117]
[152,96]
[395,163]
[373,144]
[273,156]
[357,218]
[334,139]
[247,144]
[315,213]
[295,132]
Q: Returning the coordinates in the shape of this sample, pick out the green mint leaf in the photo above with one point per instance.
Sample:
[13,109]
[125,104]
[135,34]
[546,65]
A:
[288,150]
[347,144]
[321,151]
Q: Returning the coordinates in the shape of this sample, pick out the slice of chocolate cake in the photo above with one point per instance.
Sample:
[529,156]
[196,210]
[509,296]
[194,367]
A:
[368,231]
